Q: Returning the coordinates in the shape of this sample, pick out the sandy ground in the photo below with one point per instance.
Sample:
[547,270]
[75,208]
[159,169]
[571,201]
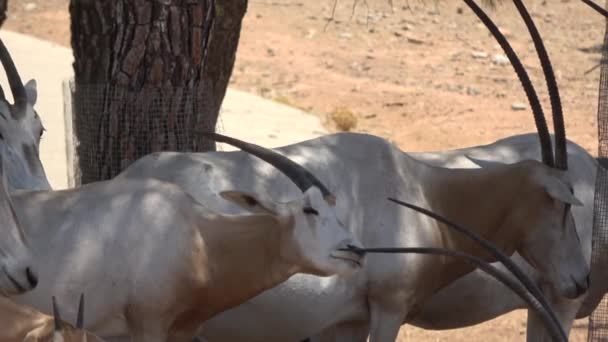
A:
[424,76]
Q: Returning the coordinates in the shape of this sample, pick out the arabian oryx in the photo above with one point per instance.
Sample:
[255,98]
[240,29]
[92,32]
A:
[524,207]
[20,323]
[20,131]
[159,263]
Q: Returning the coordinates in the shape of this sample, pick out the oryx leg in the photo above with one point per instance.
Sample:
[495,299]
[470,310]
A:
[356,331]
[470,300]
[147,329]
[385,321]
[566,312]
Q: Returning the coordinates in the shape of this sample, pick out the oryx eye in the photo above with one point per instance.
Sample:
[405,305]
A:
[310,211]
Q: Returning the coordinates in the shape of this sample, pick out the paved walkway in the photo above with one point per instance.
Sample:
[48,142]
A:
[243,115]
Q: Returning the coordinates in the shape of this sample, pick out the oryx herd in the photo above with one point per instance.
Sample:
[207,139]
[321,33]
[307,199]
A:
[300,242]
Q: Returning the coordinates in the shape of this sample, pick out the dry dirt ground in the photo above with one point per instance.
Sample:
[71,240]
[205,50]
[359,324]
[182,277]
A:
[423,74]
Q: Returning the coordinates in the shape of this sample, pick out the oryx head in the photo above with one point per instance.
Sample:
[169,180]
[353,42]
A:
[550,241]
[17,274]
[313,235]
[67,333]
[20,131]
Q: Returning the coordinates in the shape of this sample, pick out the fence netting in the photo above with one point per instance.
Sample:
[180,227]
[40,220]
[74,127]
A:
[598,321]
[109,127]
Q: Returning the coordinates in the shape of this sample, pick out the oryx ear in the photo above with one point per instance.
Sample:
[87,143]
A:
[251,202]
[559,191]
[485,164]
[31,91]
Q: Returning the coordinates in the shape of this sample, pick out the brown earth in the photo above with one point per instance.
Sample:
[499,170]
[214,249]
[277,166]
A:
[422,75]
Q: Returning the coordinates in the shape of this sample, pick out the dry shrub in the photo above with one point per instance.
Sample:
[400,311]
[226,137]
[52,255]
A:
[344,118]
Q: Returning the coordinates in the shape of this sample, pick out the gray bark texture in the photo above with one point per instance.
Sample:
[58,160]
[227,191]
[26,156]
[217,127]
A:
[149,74]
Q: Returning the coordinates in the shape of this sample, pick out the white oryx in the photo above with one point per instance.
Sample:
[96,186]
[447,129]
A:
[524,206]
[20,131]
[159,263]
[20,323]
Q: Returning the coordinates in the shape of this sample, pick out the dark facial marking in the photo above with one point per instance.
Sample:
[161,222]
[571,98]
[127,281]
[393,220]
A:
[310,211]
[31,155]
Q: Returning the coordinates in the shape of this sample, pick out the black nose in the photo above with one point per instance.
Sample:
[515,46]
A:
[581,287]
[31,277]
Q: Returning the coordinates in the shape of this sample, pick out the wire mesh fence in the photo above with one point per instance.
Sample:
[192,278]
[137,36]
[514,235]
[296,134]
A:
[109,127]
[598,321]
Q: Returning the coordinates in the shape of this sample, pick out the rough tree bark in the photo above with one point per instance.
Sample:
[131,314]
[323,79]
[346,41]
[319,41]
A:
[3,7]
[148,75]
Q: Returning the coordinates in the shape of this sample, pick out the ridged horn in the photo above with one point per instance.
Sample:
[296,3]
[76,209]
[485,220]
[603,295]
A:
[559,128]
[495,252]
[80,318]
[556,331]
[539,115]
[596,7]
[298,174]
[56,315]
[14,80]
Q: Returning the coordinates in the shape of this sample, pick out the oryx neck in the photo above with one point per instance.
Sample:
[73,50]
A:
[481,200]
[248,248]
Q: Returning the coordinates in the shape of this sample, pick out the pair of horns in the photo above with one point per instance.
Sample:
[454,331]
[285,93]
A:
[14,80]
[528,293]
[561,156]
[79,320]
[298,174]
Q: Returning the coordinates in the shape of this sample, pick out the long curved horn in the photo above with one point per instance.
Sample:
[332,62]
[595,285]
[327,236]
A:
[561,155]
[14,80]
[596,7]
[497,253]
[555,328]
[539,116]
[298,174]
[56,315]
[80,318]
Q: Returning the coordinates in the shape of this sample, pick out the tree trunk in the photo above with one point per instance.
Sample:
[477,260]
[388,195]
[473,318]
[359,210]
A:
[3,8]
[149,74]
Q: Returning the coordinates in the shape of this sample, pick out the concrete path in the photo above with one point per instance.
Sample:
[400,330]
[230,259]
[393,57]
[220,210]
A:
[243,115]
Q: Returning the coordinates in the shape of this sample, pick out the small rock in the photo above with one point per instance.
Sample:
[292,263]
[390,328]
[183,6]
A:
[472,91]
[270,52]
[414,40]
[500,59]
[397,34]
[459,10]
[30,6]
[370,116]
[519,106]
[479,54]
[345,35]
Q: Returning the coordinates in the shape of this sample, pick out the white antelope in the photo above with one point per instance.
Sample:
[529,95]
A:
[20,131]
[160,263]
[523,207]
[20,323]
